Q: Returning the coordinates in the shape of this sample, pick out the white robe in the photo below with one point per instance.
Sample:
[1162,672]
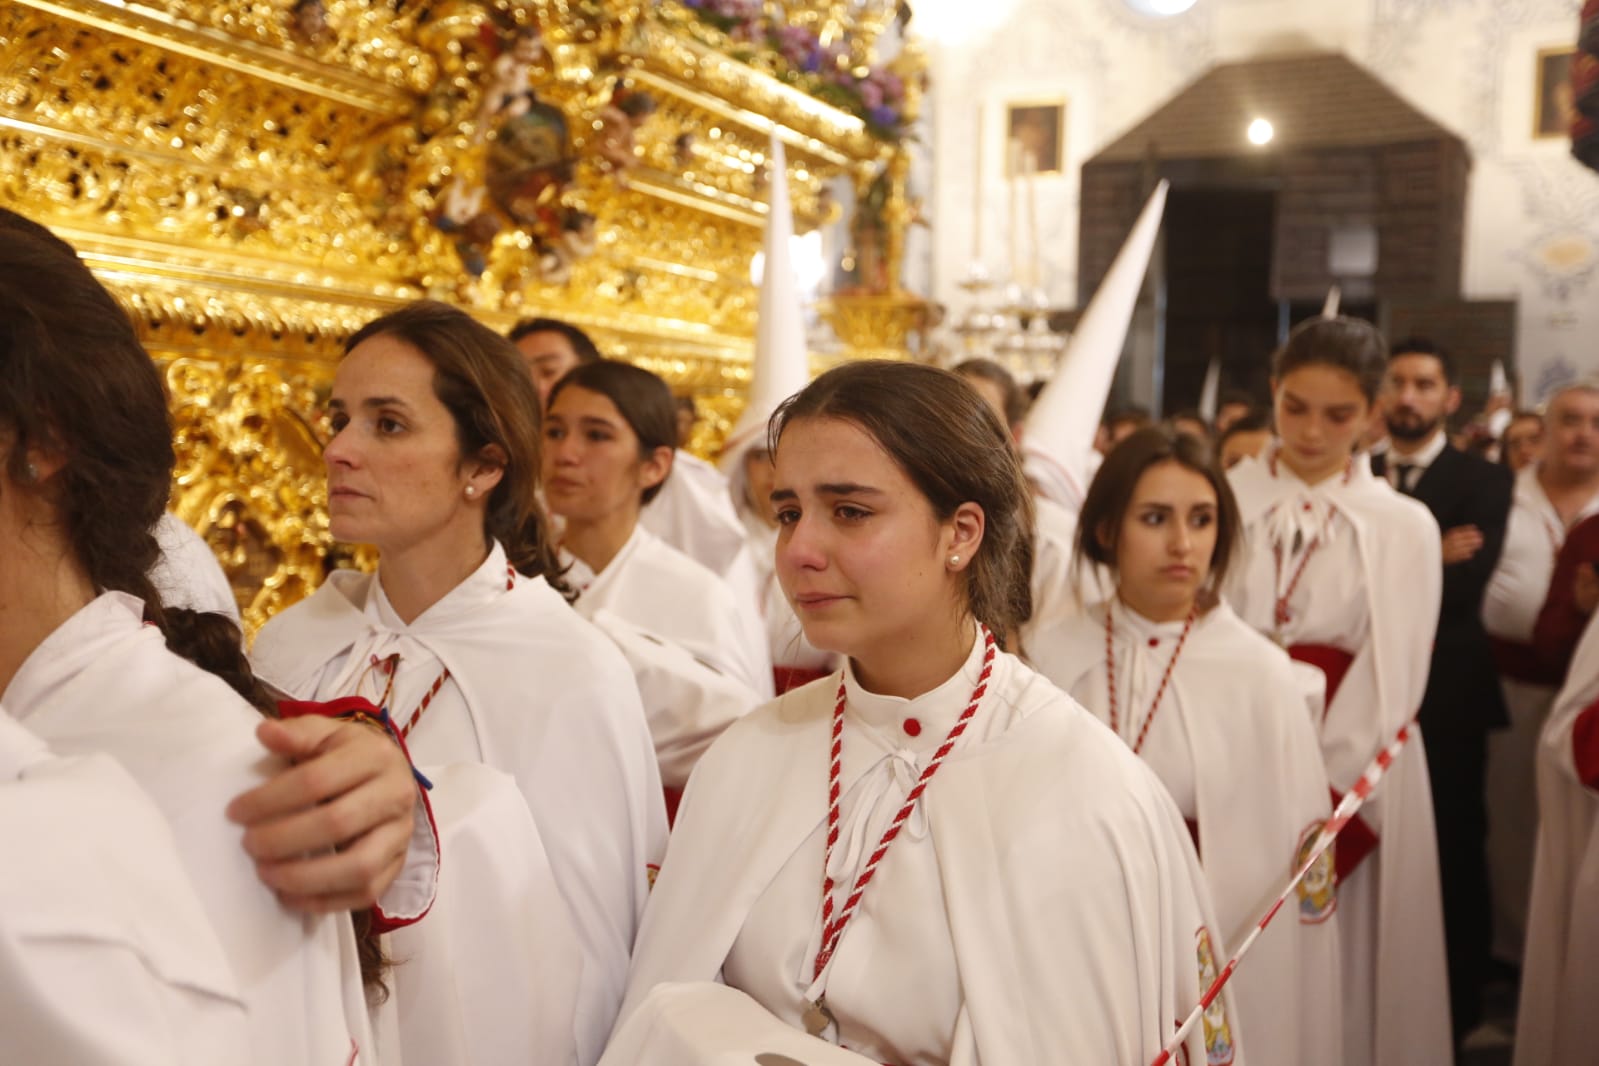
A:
[1043,905]
[106,955]
[1396,1006]
[694,514]
[487,978]
[654,586]
[105,682]
[1510,606]
[1233,732]
[534,691]
[187,574]
[1560,976]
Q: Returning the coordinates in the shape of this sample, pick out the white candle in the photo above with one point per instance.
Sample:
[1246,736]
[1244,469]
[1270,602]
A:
[1013,154]
[1036,275]
[977,190]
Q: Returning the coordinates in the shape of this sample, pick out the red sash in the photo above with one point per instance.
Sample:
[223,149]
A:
[1585,745]
[674,796]
[1358,838]
[1332,662]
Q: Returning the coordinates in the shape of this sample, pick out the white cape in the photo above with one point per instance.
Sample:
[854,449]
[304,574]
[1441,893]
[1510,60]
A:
[654,586]
[552,703]
[694,514]
[1260,789]
[1560,974]
[1074,900]
[487,978]
[104,682]
[1402,974]
[106,956]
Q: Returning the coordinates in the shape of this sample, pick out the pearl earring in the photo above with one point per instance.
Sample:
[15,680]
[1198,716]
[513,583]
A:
[471,490]
[954,560]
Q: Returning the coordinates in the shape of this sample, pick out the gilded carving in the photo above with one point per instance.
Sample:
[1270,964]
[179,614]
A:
[256,179]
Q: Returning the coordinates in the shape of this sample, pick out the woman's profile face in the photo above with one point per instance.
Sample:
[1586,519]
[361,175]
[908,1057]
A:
[395,476]
[1321,414]
[592,466]
[860,554]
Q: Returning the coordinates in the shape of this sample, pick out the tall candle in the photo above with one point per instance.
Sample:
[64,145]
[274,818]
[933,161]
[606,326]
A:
[1035,274]
[1013,151]
[977,190]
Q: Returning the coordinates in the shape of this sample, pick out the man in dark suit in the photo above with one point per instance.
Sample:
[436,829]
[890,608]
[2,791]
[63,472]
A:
[1470,498]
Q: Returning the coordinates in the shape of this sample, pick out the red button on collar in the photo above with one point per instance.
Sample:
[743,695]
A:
[1154,642]
[912,727]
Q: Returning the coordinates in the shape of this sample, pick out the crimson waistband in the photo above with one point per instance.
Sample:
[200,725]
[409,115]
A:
[1331,661]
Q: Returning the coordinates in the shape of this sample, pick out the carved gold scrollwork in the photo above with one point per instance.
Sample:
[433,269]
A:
[256,179]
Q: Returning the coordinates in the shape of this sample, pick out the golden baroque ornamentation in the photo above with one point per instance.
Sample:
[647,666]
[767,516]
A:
[256,179]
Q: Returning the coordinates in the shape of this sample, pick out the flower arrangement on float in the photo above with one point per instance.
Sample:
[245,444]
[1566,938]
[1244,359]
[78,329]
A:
[796,56]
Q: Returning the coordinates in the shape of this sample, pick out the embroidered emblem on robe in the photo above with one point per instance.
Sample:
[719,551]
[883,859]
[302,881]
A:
[1318,892]
[1218,1033]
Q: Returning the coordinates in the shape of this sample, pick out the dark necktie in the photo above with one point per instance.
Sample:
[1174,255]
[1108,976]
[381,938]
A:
[1405,472]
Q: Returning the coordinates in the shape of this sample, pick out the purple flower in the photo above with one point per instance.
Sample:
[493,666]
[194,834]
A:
[798,45]
[871,94]
[885,117]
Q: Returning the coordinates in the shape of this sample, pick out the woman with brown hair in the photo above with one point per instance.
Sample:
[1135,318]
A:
[461,638]
[1215,710]
[1346,574]
[931,855]
[92,662]
[608,450]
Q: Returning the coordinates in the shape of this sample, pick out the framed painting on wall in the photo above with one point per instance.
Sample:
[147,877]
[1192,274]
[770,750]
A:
[1036,128]
[1554,104]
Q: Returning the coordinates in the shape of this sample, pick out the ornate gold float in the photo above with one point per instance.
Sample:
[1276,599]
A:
[257,178]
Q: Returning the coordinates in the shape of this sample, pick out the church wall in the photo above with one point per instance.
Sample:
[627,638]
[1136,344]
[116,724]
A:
[1532,222]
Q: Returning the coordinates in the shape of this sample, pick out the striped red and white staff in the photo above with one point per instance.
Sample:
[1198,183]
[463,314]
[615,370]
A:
[1347,808]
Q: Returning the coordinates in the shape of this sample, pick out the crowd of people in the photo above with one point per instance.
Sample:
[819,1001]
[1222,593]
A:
[855,749]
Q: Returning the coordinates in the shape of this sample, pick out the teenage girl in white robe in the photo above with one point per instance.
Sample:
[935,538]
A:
[476,657]
[1040,901]
[92,662]
[1213,708]
[608,433]
[1347,574]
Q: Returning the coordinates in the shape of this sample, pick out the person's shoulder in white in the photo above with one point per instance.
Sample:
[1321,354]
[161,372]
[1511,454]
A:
[106,956]
[189,741]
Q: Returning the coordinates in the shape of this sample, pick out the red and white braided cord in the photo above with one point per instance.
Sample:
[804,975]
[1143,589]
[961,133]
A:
[1347,808]
[833,929]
